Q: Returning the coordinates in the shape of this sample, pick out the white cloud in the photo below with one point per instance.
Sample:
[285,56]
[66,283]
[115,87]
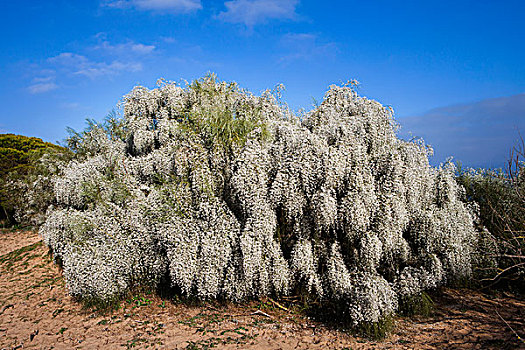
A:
[39,88]
[81,65]
[252,12]
[171,6]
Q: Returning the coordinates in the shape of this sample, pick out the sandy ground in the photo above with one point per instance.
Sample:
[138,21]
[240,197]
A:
[36,312]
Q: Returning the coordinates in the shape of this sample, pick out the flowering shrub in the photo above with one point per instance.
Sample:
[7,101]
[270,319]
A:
[230,195]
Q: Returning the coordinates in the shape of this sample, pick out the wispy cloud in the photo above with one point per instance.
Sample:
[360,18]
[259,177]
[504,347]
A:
[69,59]
[252,12]
[41,84]
[162,6]
[97,69]
[70,105]
[39,88]
[81,65]
[101,59]
[128,47]
[168,39]
[478,134]
[45,79]
[305,46]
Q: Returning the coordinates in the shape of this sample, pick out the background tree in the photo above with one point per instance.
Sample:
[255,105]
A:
[27,165]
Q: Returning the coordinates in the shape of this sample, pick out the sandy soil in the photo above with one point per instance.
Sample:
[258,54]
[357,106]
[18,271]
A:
[36,312]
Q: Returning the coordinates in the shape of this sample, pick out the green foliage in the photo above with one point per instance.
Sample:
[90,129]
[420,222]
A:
[112,126]
[217,123]
[135,298]
[335,316]
[225,128]
[23,143]
[17,151]
[11,158]
[500,195]
[139,301]
[420,304]
[493,191]
[101,305]
[26,164]
[376,330]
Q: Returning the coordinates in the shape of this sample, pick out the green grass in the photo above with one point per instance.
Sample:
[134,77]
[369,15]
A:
[421,304]
[375,330]
[100,305]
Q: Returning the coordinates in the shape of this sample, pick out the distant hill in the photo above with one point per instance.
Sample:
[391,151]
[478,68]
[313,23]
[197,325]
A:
[16,151]
[20,168]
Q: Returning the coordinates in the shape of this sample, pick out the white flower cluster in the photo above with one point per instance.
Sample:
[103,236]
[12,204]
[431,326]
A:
[229,195]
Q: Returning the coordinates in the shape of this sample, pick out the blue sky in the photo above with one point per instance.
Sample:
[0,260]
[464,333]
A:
[452,70]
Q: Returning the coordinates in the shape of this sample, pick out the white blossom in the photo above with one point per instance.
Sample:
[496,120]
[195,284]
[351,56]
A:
[231,196]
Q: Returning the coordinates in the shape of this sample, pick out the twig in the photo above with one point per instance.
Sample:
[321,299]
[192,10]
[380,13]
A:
[259,312]
[503,271]
[278,305]
[508,325]
[508,256]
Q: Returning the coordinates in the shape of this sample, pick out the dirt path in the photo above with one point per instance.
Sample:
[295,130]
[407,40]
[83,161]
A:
[36,312]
